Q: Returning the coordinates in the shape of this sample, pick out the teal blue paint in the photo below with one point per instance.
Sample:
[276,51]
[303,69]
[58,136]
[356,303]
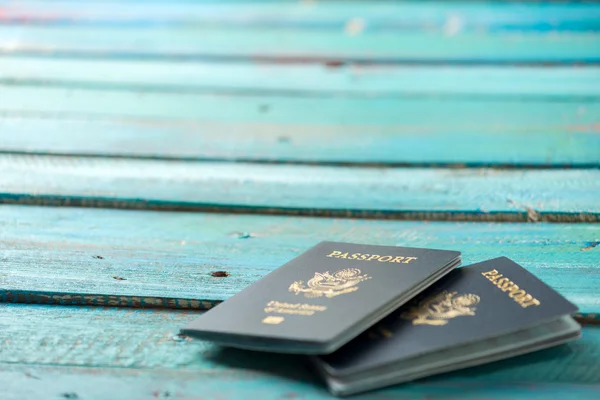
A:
[171,255]
[193,41]
[282,128]
[308,80]
[303,189]
[477,144]
[101,353]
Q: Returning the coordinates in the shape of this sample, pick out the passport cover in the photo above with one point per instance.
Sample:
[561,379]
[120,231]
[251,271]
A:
[323,298]
[480,302]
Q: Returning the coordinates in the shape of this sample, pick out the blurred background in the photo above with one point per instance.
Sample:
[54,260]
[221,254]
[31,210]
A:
[402,83]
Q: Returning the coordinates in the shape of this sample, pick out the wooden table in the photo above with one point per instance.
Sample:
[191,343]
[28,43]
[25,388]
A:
[156,157]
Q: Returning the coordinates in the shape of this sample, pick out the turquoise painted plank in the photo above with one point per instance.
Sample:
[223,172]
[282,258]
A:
[97,353]
[408,129]
[438,15]
[432,144]
[470,141]
[405,193]
[307,80]
[297,44]
[167,259]
[407,112]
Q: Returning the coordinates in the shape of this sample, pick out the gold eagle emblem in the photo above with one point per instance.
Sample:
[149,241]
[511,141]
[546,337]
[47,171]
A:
[438,309]
[330,285]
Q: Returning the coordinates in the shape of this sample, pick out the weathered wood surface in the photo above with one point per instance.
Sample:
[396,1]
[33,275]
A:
[96,353]
[107,79]
[420,130]
[304,32]
[397,193]
[147,259]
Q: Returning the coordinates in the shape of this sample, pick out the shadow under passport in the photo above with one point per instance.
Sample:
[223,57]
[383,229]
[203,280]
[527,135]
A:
[283,365]
[526,368]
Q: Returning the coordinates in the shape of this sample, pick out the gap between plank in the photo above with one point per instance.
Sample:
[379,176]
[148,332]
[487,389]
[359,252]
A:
[294,93]
[527,215]
[63,299]
[324,163]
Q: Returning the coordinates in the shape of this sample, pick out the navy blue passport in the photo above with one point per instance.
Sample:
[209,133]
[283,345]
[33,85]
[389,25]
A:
[476,314]
[323,298]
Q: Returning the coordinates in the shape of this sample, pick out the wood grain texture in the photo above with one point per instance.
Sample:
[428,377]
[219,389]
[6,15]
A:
[96,353]
[261,127]
[446,16]
[397,193]
[72,256]
[530,82]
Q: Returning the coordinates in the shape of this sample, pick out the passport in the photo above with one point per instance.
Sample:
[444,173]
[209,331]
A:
[323,298]
[476,314]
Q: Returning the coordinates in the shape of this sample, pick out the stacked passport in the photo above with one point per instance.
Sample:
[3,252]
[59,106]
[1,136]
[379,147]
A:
[373,316]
